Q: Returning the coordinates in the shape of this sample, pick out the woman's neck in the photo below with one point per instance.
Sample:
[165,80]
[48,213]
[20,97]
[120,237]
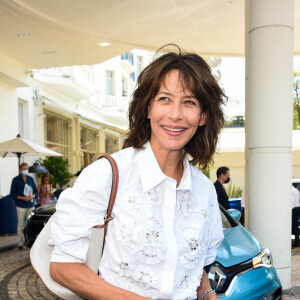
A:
[171,164]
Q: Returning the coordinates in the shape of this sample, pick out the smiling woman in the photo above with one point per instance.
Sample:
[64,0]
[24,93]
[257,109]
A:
[191,76]
[166,223]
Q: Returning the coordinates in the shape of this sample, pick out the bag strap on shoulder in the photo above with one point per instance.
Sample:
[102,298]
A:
[114,189]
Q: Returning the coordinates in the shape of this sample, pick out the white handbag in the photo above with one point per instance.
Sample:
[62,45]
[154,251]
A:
[40,253]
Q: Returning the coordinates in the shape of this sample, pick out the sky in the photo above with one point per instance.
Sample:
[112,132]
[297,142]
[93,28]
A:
[233,77]
[233,81]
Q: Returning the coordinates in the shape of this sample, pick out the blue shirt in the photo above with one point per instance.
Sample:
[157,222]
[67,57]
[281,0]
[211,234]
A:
[17,189]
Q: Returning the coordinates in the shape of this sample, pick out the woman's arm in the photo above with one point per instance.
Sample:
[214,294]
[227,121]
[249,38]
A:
[40,194]
[84,282]
[205,285]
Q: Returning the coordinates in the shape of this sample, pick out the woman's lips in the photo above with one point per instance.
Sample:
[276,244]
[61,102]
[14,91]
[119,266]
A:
[174,131]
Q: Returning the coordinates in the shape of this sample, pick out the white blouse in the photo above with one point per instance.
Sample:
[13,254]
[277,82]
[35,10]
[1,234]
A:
[160,237]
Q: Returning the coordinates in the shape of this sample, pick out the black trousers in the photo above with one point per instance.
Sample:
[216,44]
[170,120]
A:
[295,224]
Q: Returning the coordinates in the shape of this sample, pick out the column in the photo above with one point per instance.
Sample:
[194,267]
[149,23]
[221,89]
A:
[269,83]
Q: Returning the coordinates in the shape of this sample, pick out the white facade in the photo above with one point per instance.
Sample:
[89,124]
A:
[78,111]
[79,96]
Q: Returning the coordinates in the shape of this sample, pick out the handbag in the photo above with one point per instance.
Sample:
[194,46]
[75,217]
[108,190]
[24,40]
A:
[40,253]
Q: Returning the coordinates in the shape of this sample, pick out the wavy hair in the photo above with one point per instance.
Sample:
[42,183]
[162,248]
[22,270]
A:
[196,75]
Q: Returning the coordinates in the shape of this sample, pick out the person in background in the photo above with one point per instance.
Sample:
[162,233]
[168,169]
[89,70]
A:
[166,222]
[295,215]
[223,176]
[23,190]
[44,190]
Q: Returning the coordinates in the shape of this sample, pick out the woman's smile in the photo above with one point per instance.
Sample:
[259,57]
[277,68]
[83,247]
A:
[173,130]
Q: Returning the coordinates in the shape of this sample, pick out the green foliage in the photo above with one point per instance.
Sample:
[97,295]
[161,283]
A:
[236,121]
[58,170]
[296,124]
[206,172]
[296,106]
[233,191]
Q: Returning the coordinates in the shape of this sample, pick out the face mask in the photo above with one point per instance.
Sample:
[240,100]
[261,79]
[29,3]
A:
[25,172]
[227,180]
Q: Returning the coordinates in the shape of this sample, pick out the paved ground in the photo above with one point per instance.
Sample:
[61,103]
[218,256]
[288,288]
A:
[294,292]
[19,281]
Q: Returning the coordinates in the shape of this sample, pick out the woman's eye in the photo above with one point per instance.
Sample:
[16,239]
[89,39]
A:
[164,99]
[191,102]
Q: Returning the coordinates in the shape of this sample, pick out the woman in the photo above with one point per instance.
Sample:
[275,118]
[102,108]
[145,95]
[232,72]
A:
[166,221]
[44,190]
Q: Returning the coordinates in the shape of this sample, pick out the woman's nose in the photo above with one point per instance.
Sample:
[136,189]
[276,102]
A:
[175,112]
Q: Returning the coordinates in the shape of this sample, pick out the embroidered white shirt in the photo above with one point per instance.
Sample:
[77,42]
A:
[160,237]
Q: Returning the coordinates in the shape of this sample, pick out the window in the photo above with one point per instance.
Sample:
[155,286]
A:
[124,87]
[139,65]
[21,118]
[127,56]
[111,144]
[56,133]
[88,145]
[109,83]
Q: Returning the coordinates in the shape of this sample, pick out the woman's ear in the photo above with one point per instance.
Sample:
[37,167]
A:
[203,119]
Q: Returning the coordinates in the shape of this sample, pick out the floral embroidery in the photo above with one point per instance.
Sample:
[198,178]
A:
[134,201]
[153,197]
[122,268]
[203,213]
[128,228]
[188,284]
[152,241]
[184,203]
[145,278]
[194,247]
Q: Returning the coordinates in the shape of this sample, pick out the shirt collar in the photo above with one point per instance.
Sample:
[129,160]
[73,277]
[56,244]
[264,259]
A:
[186,180]
[150,172]
[151,175]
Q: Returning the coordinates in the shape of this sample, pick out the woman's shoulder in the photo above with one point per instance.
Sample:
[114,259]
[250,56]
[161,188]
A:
[123,159]
[198,175]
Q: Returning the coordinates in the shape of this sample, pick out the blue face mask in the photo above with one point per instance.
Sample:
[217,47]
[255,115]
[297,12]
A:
[24,172]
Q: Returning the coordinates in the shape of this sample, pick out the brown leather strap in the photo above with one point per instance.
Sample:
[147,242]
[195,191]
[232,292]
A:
[113,193]
[114,188]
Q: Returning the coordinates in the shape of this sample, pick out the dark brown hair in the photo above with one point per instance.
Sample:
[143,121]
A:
[43,178]
[22,165]
[196,76]
[222,170]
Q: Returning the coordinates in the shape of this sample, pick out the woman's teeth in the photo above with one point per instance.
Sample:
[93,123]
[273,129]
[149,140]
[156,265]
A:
[174,129]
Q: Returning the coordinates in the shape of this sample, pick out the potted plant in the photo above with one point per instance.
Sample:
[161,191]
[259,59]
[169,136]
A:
[58,168]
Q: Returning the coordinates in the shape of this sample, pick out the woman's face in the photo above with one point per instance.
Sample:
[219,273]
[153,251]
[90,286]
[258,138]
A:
[174,115]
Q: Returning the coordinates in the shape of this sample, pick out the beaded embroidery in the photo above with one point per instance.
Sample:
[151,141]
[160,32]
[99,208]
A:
[184,203]
[152,241]
[122,267]
[153,197]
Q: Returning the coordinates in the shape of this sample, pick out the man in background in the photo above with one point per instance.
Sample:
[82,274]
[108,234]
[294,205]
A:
[223,176]
[295,215]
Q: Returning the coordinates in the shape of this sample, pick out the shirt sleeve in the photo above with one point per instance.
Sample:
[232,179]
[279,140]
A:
[78,210]
[216,229]
[13,189]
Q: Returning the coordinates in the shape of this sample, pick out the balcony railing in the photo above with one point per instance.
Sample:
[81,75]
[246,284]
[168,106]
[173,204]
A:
[109,102]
